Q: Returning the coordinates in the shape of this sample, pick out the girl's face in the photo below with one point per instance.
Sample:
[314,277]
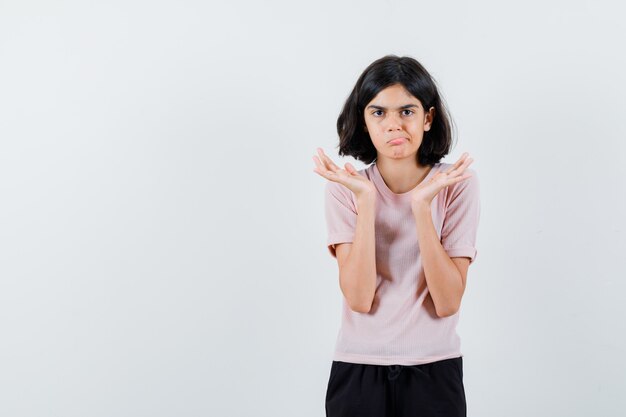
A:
[394,113]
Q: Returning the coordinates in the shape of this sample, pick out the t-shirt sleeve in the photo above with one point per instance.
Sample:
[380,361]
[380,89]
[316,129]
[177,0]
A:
[341,215]
[460,225]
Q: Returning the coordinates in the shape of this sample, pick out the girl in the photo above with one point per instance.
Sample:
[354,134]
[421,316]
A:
[403,231]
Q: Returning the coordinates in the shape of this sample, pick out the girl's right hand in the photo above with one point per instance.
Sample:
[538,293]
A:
[348,177]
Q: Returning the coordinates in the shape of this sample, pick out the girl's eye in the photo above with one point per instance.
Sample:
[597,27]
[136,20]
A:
[407,110]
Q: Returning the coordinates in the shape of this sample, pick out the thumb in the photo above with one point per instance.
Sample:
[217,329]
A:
[350,168]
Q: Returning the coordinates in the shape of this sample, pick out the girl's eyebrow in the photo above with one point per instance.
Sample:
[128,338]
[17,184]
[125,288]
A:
[406,106]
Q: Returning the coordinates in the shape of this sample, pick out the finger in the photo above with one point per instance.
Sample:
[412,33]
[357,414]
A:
[323,171]
[320,154]
[459,170]
[463,177]
[318,163]
[321,163]
[321,168]
[457,163]
[350,168]
[316,160]
[327,161]
[458,179]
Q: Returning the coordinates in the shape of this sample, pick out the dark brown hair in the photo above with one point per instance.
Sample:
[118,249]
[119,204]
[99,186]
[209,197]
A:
[380,74]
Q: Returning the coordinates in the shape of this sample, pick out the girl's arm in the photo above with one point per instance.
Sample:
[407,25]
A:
[357,261]
[445,275]
[445,280]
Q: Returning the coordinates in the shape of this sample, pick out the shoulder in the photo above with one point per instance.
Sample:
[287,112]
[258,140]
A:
[335,188]
[338,194]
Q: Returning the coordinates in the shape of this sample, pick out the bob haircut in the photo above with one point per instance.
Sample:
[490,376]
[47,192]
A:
[355,141]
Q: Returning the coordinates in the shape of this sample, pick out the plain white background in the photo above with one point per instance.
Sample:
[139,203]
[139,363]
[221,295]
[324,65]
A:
[162,234]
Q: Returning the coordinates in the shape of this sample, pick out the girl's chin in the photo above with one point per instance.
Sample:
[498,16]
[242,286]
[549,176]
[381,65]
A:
[400,153]
[396,151]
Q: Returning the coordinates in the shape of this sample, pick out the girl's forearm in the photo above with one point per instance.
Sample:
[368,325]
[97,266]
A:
[357,276]
[443,278]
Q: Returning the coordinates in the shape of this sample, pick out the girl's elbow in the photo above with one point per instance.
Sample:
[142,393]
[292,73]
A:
[364,306]
[447,312]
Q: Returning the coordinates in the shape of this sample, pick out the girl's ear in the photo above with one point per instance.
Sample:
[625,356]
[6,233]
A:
[429,119]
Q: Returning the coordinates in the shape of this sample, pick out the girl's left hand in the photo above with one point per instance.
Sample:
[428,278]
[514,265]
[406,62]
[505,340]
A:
[423,195]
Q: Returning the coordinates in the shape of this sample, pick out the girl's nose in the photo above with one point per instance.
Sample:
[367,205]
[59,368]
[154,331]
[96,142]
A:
[394,123]
[394,126]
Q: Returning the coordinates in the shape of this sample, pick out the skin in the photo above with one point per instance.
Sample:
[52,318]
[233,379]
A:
[446,277]
[386,117]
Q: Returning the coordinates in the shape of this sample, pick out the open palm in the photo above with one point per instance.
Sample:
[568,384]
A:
[425,192]
[348,177]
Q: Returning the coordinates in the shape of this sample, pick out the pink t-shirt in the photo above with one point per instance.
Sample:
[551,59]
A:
[402,327]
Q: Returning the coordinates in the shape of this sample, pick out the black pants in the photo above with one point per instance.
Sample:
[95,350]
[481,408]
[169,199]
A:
[426,390]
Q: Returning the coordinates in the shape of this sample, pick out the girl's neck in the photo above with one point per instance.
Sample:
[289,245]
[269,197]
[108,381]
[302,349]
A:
[402,175]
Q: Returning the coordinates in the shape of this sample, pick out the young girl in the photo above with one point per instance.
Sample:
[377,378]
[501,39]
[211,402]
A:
[403,231]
